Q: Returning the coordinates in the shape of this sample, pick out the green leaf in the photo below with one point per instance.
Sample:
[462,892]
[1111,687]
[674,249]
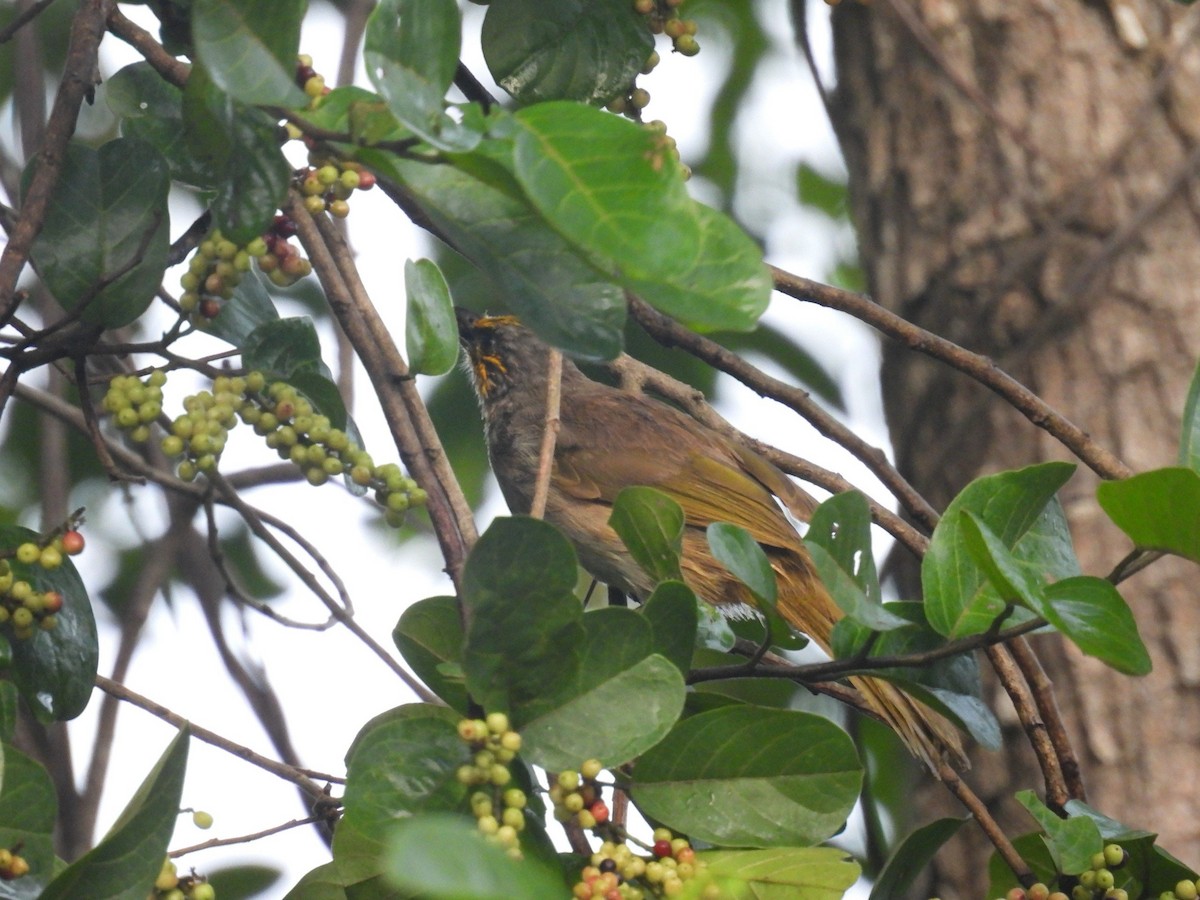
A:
[1013,583]
[28,810]
[360,114]
[842,525]
[911,856]
[783,873]
[1019,508]
[1189,440]
[411,54]
[321,883]
[431,336]
[8,708]
[429,635]
[734,548]
[125,863]
[703,270]
[849,597]
[151,110]
[444,857]
[672,612]
[1072,841]
[821,193]
[586,50]
[103,247]
[250,307]
[539,276]
[558,729]
[402,762]
[1095,617]
[650,524]
[524,630]
[249,48]
[1033,850]
[55,670]
[751,776]
[1159,510]
[283,347]
[239,144]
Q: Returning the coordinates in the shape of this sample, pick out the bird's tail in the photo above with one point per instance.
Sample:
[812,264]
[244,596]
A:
[806,604]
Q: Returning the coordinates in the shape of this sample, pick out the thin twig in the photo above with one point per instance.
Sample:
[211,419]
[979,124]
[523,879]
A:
[978,367]
[26,16]
[245,838]
[1047,704]
[171,69]
[549,434]
[1014,685]
[968,798]
[286,772]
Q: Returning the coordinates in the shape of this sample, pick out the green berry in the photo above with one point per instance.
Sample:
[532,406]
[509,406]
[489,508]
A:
[127,418]
[1184,890]
[50,557]
[1115,856]
[22,617]
[28,553]
[202,819]
[339,209]
[203,891]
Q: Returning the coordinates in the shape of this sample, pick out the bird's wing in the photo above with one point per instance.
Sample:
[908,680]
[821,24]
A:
[659,447]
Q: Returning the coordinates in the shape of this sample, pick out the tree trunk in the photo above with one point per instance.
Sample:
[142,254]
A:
[1024,181]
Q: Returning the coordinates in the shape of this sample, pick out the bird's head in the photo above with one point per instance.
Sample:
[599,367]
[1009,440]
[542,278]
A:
[501,353]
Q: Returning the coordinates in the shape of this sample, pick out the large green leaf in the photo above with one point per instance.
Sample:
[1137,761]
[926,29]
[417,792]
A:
[402,762]
[28,809]
[672,612]
[151,109]
[103,248]
[431,336]
[1072,841]
[524,633]
[1159,510]
[250,307]
[444,857]
[650,524]
[842,525]
[751,776]
[55,670]
[782,873]
[249,48]
[125,863]
[539,276]
[429,637]
[628,210]
[735,548]
[1019,508]
[586,50]
[559,728]
[240,145]
[321,883]
[411,54]
[1096,618]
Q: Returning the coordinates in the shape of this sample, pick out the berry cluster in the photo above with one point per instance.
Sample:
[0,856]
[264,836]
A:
[215,270]
[577,795]
[309,80]
[1097,883]
[280,261]
[134,404]
[499,809]
[328,183]
[12,864]
[662,17]
[1184,890]
[169,885]
[617,873]
[23,608]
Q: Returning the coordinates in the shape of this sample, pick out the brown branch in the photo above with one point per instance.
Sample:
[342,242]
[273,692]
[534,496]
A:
[549,435]
[1014,685]
[968,798]
[286,772]
[978,367]
[1047,705]
[26,16]
[78,79]
[671,334]
[245,838]
[143,42]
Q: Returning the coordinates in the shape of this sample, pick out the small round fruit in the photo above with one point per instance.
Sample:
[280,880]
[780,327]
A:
[28,553]
[203,891]
[72,542]
[22,617]
[591,768]
[202,819]
[1115,856]
[167,877]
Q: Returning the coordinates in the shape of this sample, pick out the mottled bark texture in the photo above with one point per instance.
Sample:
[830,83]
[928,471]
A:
[1024,182]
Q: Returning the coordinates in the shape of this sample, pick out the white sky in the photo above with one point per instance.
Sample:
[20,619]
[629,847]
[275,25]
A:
[328,681]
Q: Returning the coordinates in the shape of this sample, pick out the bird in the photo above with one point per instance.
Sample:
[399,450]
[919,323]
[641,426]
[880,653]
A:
[610,438]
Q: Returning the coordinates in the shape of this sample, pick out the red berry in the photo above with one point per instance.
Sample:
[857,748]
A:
[662,849]
[366,181]
[209,308]
[284,225]
[72,542]
[52,601]
[599,811]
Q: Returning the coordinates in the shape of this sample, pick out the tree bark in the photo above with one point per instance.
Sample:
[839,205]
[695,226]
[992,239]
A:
[1024,181]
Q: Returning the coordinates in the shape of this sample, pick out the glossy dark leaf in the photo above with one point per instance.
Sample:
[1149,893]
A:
[429,635]
[911,856]
[124,864]
[586,50]
[54,670]
[650,524]
[672,613]
[431,336]
[28,809]
[249,48]
[103,248]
